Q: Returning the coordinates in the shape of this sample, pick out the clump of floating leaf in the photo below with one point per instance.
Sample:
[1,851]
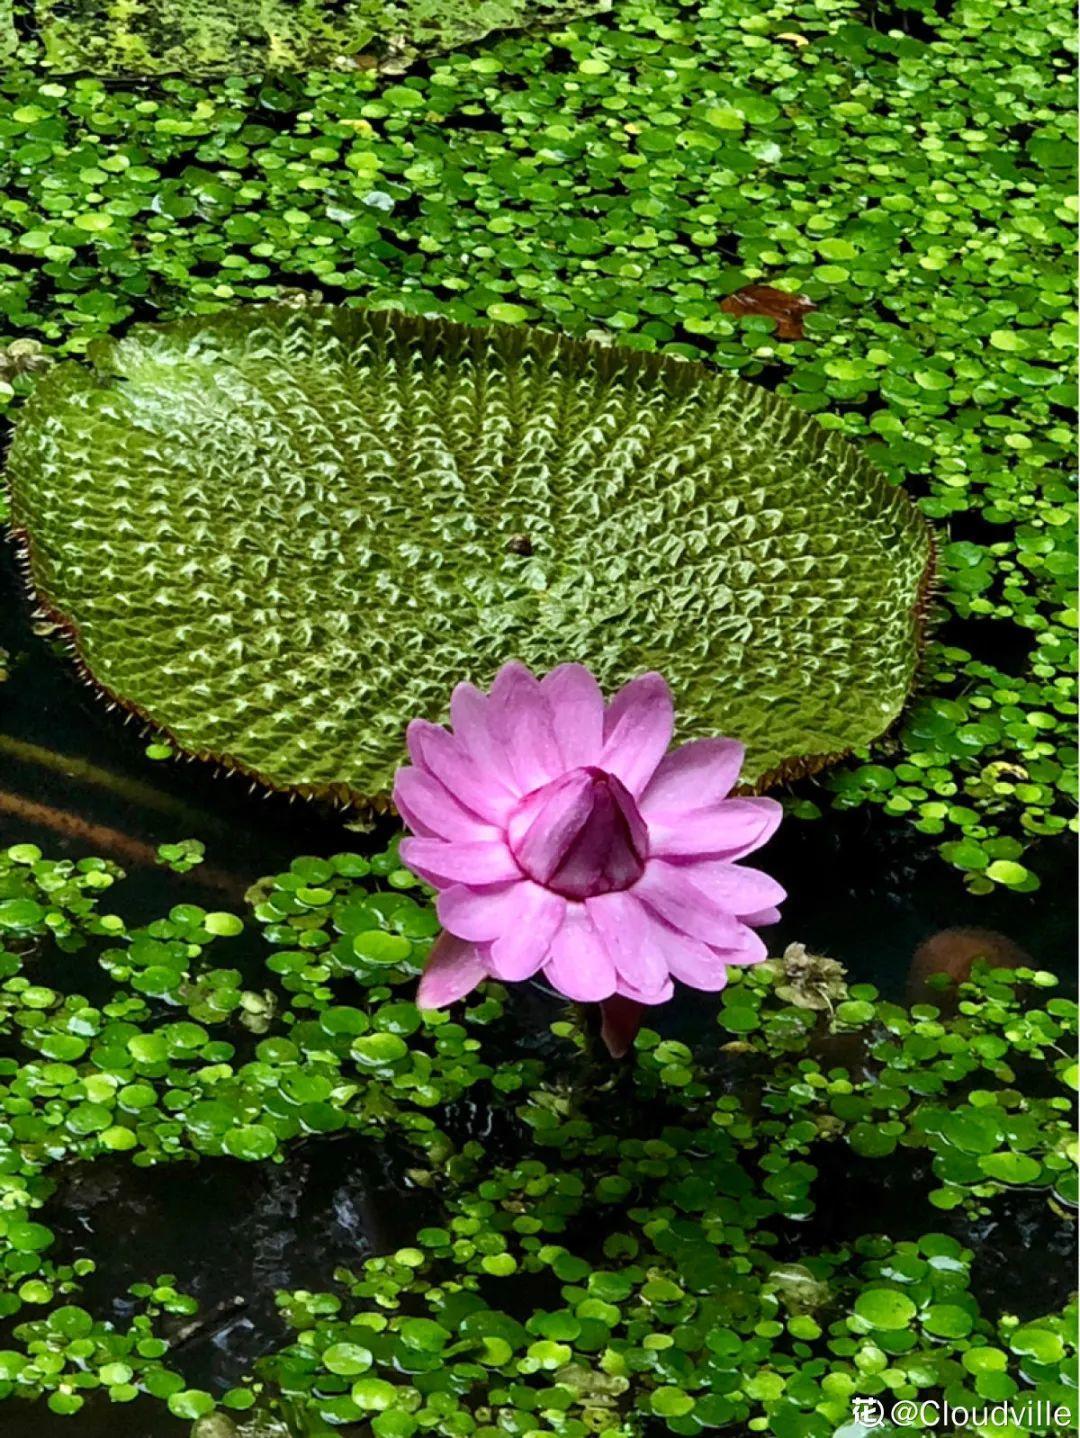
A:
[194,37]
[278,534]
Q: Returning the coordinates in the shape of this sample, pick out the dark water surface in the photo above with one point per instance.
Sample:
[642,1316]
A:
[74,778]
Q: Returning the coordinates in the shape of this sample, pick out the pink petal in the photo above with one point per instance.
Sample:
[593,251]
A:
[728,830]
[469,713]
[453,969]
[579,965]
[444,864]
[481,915]
[430,810]
[445,759]
[650,1000]
[696,964]
[577,708]
[761,919]
[737,889]
[750,949]
[525,946]
[670,893]
[637,730]
[694,776]
[626,929]
[520,719]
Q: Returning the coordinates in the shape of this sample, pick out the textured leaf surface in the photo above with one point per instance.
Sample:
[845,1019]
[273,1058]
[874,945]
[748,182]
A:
[280,534]
[148,37]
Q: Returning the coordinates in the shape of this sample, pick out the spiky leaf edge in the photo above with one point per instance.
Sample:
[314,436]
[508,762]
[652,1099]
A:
[428,327]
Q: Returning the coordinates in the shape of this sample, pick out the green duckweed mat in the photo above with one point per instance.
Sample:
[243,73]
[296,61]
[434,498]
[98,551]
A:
[193,37]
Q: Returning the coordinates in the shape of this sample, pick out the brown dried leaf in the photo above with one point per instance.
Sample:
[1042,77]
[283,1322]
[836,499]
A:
[787,310]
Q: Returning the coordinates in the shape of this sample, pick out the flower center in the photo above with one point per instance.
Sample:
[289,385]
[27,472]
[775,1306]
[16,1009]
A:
[581,835]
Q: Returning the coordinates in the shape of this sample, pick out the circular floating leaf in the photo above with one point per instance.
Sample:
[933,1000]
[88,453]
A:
[375,946]
[671,1403]
[190,1403]
[225,926]
[28,1237]
[253,1141]
[375,1049]
[1011,1167]
[1034,1341]
[424,1334]
[948,1320]
[280,534]
[373,1394]
[885,1308]
[346,1358]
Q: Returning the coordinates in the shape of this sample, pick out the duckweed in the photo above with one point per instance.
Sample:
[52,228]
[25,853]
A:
[655,1244]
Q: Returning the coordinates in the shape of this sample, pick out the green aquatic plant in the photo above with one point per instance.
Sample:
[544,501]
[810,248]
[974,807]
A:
[670,1248]
[912,175]
[152,37]
[278,534]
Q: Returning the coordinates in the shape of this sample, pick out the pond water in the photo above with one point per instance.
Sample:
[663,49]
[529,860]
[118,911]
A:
[76,781]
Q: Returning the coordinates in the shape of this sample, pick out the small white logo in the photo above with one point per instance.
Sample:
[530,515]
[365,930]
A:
[868,1411]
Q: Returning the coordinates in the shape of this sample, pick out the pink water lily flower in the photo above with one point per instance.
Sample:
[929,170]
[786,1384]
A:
[565,840]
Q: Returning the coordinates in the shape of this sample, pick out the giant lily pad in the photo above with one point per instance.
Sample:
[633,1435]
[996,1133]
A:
[280,534]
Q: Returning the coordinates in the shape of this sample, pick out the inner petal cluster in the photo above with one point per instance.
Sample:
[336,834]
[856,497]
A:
[581,835]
